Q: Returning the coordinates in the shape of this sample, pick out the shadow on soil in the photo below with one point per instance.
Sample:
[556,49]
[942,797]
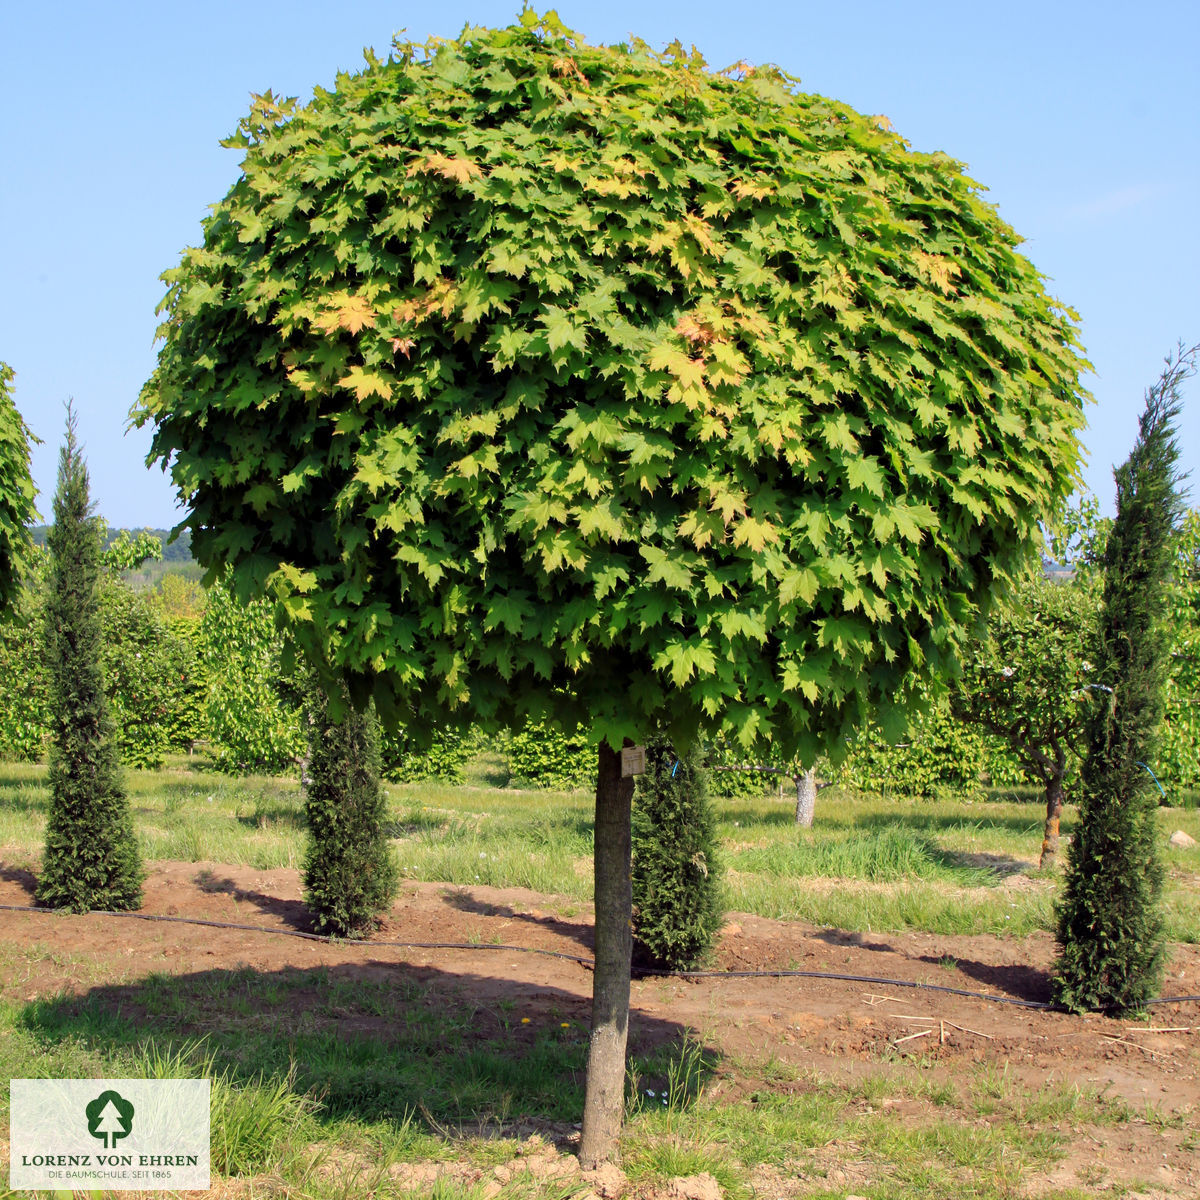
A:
[842,937]
[373,1041]
[23,878]
[1022,983]
[293,913]
[578,931]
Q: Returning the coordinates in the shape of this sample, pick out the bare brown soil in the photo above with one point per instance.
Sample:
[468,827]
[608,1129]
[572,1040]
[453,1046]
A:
[837,1028]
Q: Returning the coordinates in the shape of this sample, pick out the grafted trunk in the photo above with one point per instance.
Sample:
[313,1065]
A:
[1054,805]
[604,1105]
[806,798]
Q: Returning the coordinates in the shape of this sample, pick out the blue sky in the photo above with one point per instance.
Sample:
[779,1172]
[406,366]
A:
[1080,118]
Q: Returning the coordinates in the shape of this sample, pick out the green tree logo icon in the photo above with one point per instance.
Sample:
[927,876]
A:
[109,1117]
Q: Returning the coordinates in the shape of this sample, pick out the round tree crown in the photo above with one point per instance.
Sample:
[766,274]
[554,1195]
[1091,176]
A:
[535,376]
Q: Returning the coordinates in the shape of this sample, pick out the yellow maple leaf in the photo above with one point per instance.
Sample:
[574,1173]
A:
[344,311]
[663,238]
[745,189]
[364,385]
[936,269]
[440,297]
[695,331]
[568,66]
[756,534]
[701,232]
[448,166]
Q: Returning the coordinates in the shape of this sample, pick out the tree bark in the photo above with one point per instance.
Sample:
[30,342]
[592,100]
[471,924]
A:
[806,797]
[1054,806]
[604,1104]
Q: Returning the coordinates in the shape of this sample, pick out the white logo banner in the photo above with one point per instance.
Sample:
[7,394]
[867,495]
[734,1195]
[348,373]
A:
[118,1134]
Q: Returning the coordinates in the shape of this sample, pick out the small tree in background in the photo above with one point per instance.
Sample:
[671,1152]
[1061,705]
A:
[1032,683]
[350,878]
[91,859]
[676,873]
[1109,926]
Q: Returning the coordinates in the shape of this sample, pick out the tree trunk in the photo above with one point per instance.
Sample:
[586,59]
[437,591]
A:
[1054,805]
[806,797]
[604,1105]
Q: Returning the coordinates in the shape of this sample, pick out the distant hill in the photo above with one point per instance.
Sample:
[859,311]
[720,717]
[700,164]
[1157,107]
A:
[176,560]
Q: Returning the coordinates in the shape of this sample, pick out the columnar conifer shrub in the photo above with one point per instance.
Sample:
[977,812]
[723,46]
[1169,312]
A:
[350,877]
[17,492]
[91,859]
[538,378]
[677,883]
[1109,924]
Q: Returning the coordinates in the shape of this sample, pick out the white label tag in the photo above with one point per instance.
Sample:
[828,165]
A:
[633,761]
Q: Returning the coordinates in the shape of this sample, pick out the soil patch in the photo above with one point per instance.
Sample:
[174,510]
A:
[839,1028]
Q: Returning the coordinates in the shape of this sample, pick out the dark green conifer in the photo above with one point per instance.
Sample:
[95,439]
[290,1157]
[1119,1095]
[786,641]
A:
[350,877]
[91,860]
[677,892]
[1109,924]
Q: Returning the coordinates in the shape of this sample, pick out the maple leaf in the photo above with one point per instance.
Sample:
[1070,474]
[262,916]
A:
[565,66]
[758,189]
[448,166]
[697,332]
[756,534]
[937,269]
[364,385]
[344,311]
[403,346]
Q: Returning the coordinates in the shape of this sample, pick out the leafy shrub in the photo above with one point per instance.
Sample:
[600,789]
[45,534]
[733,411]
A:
[405,761]
[185,718]
[937,753]
[736,785]
[253,710]
[1178,765]
[677,900]
[350,877]
[25,709]
[136,661]
[544,755]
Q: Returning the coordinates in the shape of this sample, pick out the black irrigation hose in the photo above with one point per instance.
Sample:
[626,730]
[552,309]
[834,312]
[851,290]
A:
[586,962]
[312,937]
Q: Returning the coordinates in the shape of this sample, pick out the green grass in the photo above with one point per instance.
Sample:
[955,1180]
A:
[325,1104]
[870,863]
[375,1068]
